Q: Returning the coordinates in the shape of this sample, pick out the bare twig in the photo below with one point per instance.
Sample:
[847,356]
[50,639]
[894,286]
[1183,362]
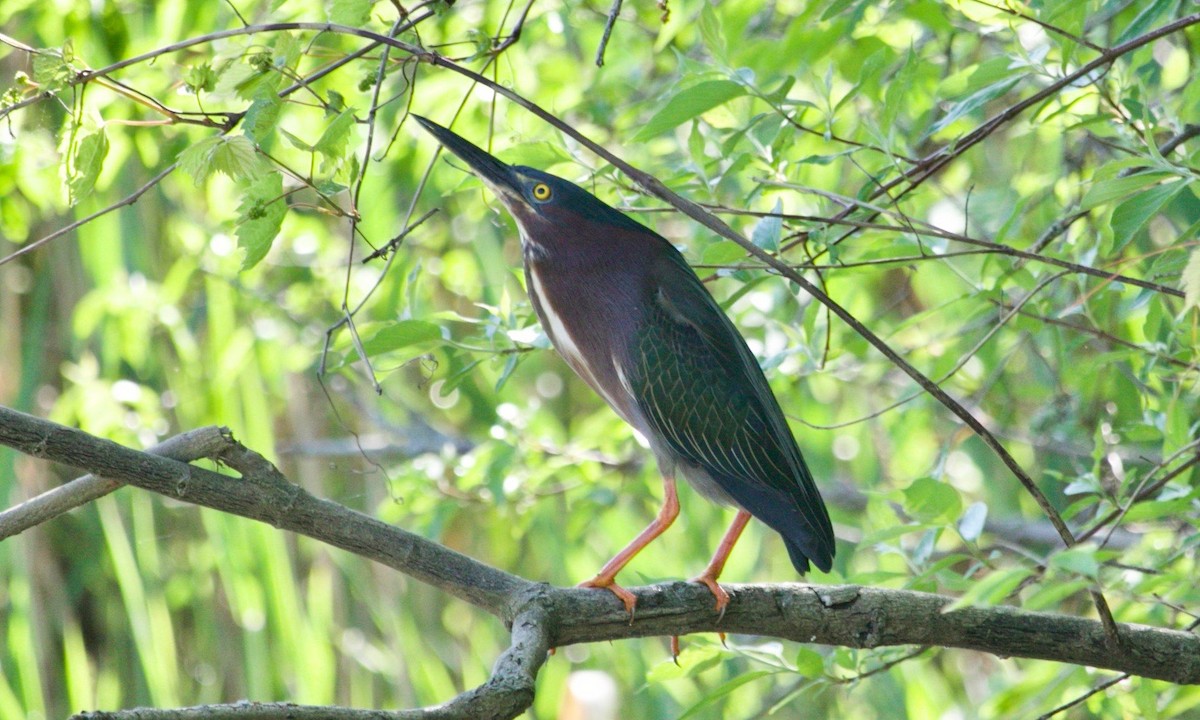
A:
[192,445]
[1072,703]
[613,12]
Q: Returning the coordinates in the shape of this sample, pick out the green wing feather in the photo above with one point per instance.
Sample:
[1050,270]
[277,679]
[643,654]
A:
[702,390]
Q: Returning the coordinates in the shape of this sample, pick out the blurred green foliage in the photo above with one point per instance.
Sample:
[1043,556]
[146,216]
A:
[208,301]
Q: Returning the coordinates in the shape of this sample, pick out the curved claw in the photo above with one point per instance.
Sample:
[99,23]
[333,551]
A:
[608,583]
[718,592]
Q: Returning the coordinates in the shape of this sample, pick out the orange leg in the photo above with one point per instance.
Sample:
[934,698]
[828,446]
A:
[606,578]
[713,571]
[717,564]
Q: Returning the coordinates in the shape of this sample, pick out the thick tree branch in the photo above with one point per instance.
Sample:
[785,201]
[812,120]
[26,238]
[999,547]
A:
[267,497]
[542,616]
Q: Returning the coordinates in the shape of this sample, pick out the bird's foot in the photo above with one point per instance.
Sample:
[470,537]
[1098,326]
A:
[610,584]
[718,592]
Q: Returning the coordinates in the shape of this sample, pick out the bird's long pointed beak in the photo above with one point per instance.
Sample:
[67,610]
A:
[495,174]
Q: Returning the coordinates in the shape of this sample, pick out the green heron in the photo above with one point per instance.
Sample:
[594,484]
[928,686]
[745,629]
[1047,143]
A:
[631,318]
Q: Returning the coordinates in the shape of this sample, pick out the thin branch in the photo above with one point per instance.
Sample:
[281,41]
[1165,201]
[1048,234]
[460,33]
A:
[129,199]
[613,12]
[192,445]
[1043,24]
[1072,703]
[937,160]
[1149,491]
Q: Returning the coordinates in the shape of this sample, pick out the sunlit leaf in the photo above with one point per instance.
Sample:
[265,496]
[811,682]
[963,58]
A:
[260,216]
[85,164]
[687,104]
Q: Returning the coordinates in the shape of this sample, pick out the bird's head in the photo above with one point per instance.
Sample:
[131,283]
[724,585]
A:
[547,208]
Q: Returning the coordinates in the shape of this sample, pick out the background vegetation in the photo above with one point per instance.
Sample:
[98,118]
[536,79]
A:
[1041,277]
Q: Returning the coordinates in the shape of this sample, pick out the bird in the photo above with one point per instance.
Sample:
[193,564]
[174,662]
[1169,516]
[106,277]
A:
[632,319]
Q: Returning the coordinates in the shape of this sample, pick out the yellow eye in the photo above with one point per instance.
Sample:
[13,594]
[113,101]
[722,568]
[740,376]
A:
[541,191]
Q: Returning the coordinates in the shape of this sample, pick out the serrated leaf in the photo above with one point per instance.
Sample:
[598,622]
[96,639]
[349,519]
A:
[332,143]
[233,155]
[687,104]
[50,69]
[286,51]
[1190,281]
[970,525]
[85,164]
[257,77]
[260,216]
[262,116]
[200,78]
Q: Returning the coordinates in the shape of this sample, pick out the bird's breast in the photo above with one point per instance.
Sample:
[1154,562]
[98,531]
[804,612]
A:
[585,328]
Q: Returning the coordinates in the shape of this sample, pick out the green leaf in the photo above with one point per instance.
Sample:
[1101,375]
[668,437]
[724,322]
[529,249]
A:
[725,689]
[260,216]
[286,51]
[725,252]
[256,76]
[896,96]
[262,116]
[711,32]
[1190,281]
[972,103]
[1131,216]
[1047,596]
[1105,191]
[354,13]
[85,164]
[233,155]
[931,501]
[1144,20]
[200,78]
[687,104]
[809,663]
[295,141]
[991,590]
[1080,560]
[332,143]
[50,69]
[402,334]
[768,229]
